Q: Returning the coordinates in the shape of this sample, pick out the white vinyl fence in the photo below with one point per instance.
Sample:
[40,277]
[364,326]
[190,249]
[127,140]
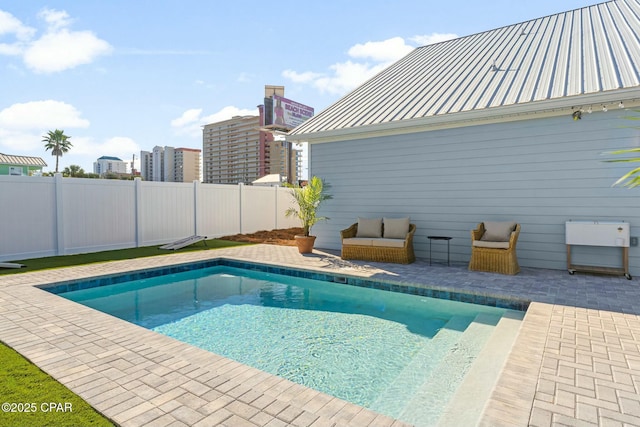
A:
[46,216]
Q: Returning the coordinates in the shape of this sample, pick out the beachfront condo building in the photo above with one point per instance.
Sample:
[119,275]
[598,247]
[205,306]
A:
[169,164]
[238,150]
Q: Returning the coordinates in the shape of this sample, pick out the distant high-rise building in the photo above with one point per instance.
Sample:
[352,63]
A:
[186,164]
[243,149]
[235,151]
[109,164]
[170,164]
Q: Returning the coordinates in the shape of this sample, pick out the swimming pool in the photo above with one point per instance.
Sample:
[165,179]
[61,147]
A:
[399,354]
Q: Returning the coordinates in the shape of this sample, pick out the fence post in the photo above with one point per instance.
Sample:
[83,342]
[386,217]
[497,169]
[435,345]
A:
[196,218]
[276,204]
[137,205]
[240,186]
[59,197]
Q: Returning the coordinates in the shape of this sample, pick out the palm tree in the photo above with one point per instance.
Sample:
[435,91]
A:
[58,143]
[73,171]
[632,177]
[308,199]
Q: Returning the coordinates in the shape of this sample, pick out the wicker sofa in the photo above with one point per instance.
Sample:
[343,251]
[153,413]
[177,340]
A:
[493,247]
[375,245]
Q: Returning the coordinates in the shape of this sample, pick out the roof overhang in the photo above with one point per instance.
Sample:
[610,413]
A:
[509,113]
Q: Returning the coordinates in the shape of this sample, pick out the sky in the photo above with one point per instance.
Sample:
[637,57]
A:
[124,76]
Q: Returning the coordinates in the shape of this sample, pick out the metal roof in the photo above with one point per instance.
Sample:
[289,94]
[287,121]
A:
[568,56]
[8,159]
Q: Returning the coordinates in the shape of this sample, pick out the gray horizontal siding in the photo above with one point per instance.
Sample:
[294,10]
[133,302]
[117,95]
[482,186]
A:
[540,173]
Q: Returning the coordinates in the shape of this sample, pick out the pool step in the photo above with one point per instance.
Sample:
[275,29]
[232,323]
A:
[405,385]
[443,381]
[467,404]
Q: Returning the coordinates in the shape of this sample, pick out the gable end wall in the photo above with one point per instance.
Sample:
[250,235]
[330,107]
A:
[539,172]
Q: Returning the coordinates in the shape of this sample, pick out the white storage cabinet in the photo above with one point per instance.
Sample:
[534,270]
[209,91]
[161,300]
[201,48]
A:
[598,233]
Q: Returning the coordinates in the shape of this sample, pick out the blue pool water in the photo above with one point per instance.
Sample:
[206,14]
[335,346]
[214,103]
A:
[392,352]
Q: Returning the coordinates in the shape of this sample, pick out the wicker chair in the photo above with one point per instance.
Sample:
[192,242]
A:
[495,257]
[400,255]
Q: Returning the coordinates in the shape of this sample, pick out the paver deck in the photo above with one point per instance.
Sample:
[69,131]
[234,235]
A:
[576,360]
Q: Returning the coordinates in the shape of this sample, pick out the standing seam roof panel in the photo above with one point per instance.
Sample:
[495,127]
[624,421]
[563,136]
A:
[575,69]
[493,75]
[559,87]
[427,98]
[511,69]
[456,76]
[404,86]
[590,62]
[624,52]
[608,73]
[475,73]
[523,65]
[426,79]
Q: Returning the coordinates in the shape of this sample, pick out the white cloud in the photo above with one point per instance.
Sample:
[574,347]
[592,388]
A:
[433,38]
[188,117]
[347,76]
[58,49]
[385,51]
[366,60]
[23,125]
[64,49]
[118,146]
[19,141]
[245,77]
[191,121]
[40,115]
[9,24]
[55,19]
[305,77]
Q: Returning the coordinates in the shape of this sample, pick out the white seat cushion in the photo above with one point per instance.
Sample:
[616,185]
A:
[488,244]
[389,243]
[358,241]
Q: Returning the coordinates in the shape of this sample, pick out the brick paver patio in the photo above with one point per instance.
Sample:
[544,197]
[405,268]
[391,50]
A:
[576,360]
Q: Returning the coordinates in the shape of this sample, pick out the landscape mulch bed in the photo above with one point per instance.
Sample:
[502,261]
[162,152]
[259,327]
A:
[282,237]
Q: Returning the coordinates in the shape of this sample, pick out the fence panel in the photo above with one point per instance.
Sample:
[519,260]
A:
[98,215]
[258,206]
[27,217]
[166,212]
[218,210]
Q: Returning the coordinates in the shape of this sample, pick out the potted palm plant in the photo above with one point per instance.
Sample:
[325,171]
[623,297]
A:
[307,200]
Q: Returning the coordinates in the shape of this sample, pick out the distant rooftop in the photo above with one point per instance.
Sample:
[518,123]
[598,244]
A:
[8,159]
[110,158]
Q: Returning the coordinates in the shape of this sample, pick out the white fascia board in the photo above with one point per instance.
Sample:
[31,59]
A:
[510,113]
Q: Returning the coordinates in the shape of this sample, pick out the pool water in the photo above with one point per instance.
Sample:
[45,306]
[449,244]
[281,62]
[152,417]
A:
[398,354]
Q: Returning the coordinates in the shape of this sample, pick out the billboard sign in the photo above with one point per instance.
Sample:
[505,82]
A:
[289,114]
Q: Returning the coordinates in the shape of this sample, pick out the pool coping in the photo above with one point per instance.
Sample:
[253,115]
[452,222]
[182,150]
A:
[136,378]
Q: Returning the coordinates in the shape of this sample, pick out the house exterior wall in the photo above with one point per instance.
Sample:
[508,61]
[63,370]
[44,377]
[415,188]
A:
[6,169]
[539,172]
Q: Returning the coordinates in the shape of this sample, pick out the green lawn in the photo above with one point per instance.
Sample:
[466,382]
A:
[69,260]
[32,398]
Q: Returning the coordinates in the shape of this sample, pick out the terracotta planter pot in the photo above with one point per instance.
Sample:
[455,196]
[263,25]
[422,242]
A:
[305,243]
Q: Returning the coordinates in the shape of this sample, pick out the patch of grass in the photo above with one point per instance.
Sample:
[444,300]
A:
[35,264]
[36,399]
